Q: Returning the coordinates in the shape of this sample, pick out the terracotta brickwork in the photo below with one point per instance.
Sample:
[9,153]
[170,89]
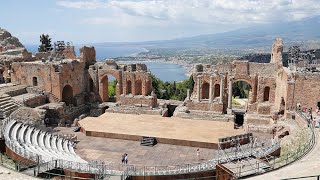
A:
[274,88]
[131,79]
[72,80]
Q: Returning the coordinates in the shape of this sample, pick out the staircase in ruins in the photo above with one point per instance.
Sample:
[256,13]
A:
[7,106]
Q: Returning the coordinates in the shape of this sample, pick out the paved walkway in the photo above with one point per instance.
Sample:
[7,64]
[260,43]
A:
[111,150]
[307,166]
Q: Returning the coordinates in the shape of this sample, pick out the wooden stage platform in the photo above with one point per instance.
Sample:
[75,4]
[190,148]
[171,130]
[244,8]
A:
[174,130]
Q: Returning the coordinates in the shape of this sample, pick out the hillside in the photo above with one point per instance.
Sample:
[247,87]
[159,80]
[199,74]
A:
[257,38]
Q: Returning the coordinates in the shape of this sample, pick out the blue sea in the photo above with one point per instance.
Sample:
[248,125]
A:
[164,71]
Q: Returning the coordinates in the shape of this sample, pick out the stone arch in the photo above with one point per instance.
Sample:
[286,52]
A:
[205,90]
[266,93]
[67,94]
[104,87]
[249,81]
[318,104]
[104,76]
[138,87]
[246,82]
[216,90]
[129,87]
[35,81]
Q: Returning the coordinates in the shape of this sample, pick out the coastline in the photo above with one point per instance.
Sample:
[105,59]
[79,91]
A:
[187,67]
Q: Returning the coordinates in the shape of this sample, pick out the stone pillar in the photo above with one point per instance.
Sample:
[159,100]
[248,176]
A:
[124,84]
[198,87]
[188,94]
[230,94]
[221,89]
[210,90]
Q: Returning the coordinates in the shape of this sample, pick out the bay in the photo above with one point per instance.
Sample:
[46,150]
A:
[164,71]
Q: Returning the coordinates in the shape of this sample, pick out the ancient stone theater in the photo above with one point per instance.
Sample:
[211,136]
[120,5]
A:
[59,120]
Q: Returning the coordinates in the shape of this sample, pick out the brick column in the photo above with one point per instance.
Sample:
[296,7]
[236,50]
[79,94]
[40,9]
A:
[230,94]
[198,87]
[221,89]
[210,90]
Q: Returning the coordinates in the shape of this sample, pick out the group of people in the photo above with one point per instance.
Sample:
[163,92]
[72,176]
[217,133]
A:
[311,118]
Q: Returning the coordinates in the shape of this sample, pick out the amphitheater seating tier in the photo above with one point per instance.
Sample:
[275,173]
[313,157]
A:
[47,145]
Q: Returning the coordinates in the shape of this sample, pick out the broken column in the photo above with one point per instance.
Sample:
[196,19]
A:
[230,94]
[221,89]
[198,87]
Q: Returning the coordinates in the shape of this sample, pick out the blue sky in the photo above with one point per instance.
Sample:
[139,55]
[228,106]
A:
[87,21]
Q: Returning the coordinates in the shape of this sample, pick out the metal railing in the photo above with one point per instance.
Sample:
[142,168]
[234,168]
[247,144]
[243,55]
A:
[134,170]
[297,151]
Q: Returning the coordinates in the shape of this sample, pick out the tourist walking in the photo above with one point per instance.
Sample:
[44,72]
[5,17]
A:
[126,159]
[198,154]
[122,158]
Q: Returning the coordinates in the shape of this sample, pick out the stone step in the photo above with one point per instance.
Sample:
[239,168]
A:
[4,96]
[5,105]
[5,99]
[9,107]
[6,102]
[10,111]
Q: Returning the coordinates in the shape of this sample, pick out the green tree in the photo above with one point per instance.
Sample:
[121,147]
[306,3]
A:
[45,45]
[190,83]
[112,86]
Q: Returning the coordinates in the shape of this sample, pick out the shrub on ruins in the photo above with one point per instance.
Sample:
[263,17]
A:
[45,45]
[172,90]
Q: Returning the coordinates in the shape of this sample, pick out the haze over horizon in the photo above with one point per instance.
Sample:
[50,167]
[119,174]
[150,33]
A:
[93,21]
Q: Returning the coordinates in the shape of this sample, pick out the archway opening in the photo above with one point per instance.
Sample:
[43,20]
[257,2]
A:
[217,90]
[138,87]
[1,75]
[282,106]
[240,94]
[90,85]
[112,88]
[129,87]
[35,81]
[109,88]
[318,104]
[67,95]
[205,90]
[266,93]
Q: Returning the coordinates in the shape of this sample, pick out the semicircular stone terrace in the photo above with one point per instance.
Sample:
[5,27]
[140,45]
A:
[28,141]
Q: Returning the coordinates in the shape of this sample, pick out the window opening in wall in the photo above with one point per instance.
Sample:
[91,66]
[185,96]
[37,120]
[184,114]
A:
[35,81]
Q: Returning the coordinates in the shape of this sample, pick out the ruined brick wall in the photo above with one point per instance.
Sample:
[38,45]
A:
[205,106]
[277,51]
[306,89]
[149,101]
[51,77]
[88,55]
[73,74]
[281,88]
[40,55]
[46,75]
[263,84]
[131,79]
[140,83]
[69,52]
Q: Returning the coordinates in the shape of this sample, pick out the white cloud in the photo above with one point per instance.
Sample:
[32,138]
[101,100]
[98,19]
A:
[205,11]
[90,4]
